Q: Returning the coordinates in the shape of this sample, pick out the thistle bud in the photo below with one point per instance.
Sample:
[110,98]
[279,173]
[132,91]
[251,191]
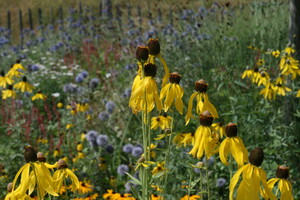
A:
[153,46]
[30,154]
[142,53]
[206,118]
[231,130]
[256,157]
[201,86]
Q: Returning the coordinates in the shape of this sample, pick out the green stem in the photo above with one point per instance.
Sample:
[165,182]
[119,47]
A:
[207,180]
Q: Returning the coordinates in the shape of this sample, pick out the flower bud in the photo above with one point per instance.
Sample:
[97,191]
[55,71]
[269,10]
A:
[61,164]
[41,157]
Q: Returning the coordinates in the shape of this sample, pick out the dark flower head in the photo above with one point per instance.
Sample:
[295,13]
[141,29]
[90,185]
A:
[153,46]
[231,130]
[206,118]
[142,53]
[174,78]
[256,157]
[61,164]
[110,148]
[150,69]
[41,157]
[201,86]
[30,154]
[282,172]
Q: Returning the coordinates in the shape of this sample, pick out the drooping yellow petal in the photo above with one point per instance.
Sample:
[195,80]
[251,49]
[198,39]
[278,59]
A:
[224,150]
[190,107]
[167,72]
[268,192]
[75,181]
[235,179]
[209,106]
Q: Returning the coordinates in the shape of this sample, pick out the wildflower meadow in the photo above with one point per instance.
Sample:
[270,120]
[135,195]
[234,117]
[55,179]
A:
[154,100]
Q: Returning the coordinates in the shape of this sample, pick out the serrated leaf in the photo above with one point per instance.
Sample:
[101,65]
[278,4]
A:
[136,181]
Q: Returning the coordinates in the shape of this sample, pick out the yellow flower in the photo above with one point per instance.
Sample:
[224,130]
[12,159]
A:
[192,197]
[284,185]
[234,145]
[57,152]
[205,139]
[260,62]
[280,80]
[262,78]
[24,86]
[158,168]
[15,70]
[219,128]
[253,176]
[8,93]
[68,126]
[82,107]
[203,102]
[289,50]
[85,187]
[289,65]
[276,53]
[60,105]
[33,174]
[5,80]
[173,92]
[269,91]
[184,139]
[281,89]
[38,95]
[162,121]
[298,94]
[145,95]
[248,73]
[154,51]
[110,195]
[62,173]
[156,197]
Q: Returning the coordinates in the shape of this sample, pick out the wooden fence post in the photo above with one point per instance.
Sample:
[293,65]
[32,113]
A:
[30,19]
[294,27]
[8,20]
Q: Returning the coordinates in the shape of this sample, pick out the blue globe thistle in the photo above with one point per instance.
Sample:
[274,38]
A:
[221,182]
[210,161]
[109,148]
[122,169]
[27,94]
[91,135]
[79,78]
[110,106]
[128,185]
[137,151]
[84,74]
[127,148]
[94,82]
[103,116]
[102,140]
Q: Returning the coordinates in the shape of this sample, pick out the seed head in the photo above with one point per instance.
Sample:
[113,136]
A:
[153,46]
[41,157]
[282,172]
[150,69]
[30,154]
[9,187]
[174,78]
[142,53]
[61,164]
[206,119]
[201,86]
[231,130]
[256,157]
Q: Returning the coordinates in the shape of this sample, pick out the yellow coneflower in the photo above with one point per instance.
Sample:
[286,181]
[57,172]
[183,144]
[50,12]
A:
[234,145]
[92,197]
[38,95]
[57,152]
[16,194]
[15,70]
[162,121]
[85,187]
[60,105]
[203,102]
[284,185]
[109,194]
[172,92]
[62,173]
[289,65]
[145,95]
[184,139]
[289,50]
[5,80]
[263,78]
[160,167]
[8,93]
[253,176]
[33,174]
[219,128]
[156,197]
[260,62]
[281,89]
[205,139]
[192,197]
[154,51]
[143,163]
[276,53]
[280,80]
[269,91]
[68,126]
[152,152]
[24,86]
[82,107]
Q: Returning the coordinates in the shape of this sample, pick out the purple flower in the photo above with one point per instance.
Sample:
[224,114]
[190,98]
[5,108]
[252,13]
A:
[84,74]
[127,148]
[110,106]
[91,135]
[79,78]
[109,148]
[137,151]
[102,140]
[122,169]
[103,116]
[221,182]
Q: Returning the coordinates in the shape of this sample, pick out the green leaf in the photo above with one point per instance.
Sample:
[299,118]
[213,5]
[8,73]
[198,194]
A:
[195,182]
[136,181]
[159,174]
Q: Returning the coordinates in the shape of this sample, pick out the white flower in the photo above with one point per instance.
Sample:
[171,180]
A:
[56,94]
